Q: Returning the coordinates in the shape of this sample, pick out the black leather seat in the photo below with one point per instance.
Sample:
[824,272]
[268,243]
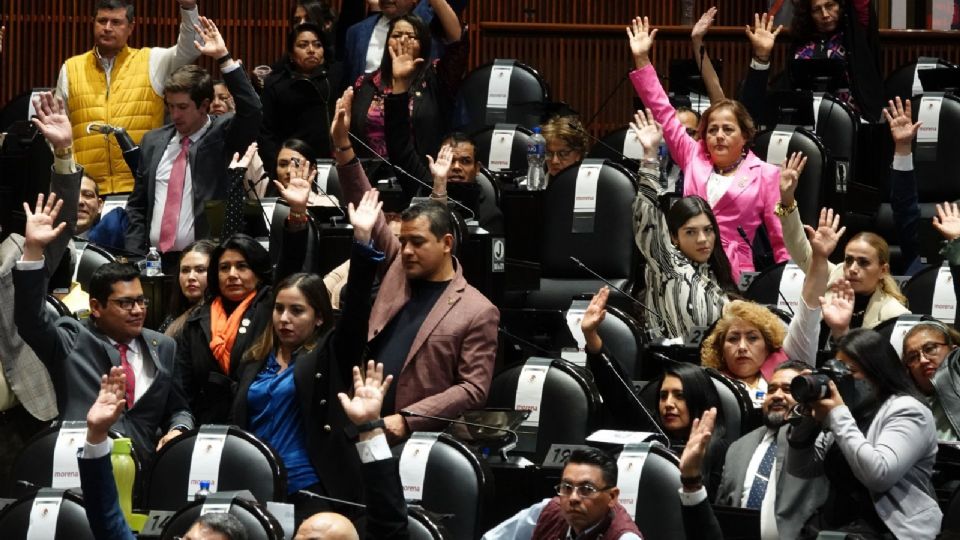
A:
[838,128]
[900,82]
[624,338]
[246,463]
[919,290]
[816,180]
[491,190]
[422,525]
[739,415]
[72,523]
[612,147]
[257,521]
[456,485]
[658,501]
[569,406]
[528,93]
[483,140]
[765,287]
[91,258]
[937,174]
[608,250]
[57,308]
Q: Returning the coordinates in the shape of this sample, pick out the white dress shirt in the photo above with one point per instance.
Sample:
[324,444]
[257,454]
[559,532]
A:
[717,185]
[144,372]
[768,515]
[378,44]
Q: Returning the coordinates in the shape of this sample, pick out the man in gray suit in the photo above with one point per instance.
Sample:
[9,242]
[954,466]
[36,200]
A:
[183,165]
[27,399]
[785,502]
[78,353]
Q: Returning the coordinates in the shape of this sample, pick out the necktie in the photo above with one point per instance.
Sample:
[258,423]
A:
[128,371]
[762,478]
[171,208]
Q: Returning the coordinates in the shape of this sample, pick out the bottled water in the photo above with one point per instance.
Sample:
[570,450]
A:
[536,154]
[153,262]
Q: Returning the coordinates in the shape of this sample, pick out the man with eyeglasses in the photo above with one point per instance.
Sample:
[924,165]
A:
[929,354]
[586,505]
[78,353]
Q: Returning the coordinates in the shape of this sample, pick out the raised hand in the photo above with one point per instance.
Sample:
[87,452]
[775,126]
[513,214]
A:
[837,308]
[39,230]
[364,216]
[243,162]
[213,44]
[592,317]
[900,118]
[405,64]
[640,37]
[368,394]
[340,124]
[824,239]
[947,220]
[298,189]
[106,410]
[701,431]
[441,166]
[702,26]
[648,132]
[52,121]
[762,36]
[790,171]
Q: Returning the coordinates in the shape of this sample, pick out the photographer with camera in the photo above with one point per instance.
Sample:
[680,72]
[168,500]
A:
[866,428]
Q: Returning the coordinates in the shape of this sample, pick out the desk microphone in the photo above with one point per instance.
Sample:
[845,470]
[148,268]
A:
[573,126]
[618,289]
[633,392]
[743,234]
[473,215]
[316,184]
[334,500]
[503,450]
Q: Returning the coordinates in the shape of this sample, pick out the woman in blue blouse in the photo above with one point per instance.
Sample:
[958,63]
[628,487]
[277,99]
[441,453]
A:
[290,377]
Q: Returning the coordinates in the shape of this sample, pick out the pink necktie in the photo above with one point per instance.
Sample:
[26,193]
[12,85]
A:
[171,208]
[128,371]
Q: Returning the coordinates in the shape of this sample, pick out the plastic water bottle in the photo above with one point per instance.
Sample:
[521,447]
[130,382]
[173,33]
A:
[536,154]
[153,262]
[204,490]
[124,475]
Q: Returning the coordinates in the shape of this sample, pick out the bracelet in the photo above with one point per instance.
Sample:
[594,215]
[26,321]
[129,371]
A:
[435,195]
[691,481]
[224,59]
[650,163]
[758,60]
[370,426]
[344,148]
[297,217]
[63,153]
[782,211]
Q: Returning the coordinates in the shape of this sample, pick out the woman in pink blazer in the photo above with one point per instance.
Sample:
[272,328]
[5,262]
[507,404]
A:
[742,189]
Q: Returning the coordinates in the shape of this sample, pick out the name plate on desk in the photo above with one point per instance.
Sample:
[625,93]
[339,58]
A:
[558,454]
[156,521]
[696,335]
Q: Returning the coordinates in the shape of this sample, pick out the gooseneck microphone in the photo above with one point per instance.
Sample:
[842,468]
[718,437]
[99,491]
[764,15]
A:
[334,500]
[743,234]
[589,135]
[618,289]
[358,140]
[503,450]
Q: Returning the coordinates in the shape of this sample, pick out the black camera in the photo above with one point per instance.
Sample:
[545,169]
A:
[814,386]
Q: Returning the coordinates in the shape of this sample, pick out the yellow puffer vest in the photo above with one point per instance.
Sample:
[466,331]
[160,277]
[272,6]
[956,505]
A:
[129,102]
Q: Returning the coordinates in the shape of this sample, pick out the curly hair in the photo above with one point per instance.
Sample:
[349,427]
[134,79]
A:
[569,129]
[770,326]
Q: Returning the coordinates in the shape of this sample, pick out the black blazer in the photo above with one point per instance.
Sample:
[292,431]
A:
[209,158]
[76,354]
[319,374]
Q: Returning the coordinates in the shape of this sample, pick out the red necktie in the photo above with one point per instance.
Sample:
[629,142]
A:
[128,371]
[171,208]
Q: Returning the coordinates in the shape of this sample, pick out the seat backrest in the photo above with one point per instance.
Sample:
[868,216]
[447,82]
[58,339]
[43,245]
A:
[919,290]
[936,169]
[483,141]
[658,501]
[837,127]
[612,147]
[623,338]
[903,81]
[814,183]
[90,259]
[528,92]
[57,308]
[463,501]
[423,526]
[765,287]
[257,521]
[609,249]
[490,189]
[332,184]
[72,520]
[735,404]
[246,463]
[569,405]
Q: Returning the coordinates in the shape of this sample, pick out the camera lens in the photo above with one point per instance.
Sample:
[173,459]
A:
[809,388]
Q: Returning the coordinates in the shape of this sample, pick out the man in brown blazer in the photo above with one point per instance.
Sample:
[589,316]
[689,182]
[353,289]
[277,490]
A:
[433,331]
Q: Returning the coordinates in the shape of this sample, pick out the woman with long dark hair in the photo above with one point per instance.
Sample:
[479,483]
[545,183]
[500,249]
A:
[191,285]
[876,441]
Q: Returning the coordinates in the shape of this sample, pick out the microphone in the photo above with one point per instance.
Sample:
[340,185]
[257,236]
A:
[473,215]
[103,129]
[743,234]
[573,126]
[316,184]
[606,101]
[646,411]
[503,450]
[618,289]
[334,500]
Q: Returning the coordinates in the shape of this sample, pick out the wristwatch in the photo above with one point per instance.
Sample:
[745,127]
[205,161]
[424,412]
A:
[63,153]
[370,426]
[783,211]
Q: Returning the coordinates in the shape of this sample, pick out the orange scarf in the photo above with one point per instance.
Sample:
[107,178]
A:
[223,329]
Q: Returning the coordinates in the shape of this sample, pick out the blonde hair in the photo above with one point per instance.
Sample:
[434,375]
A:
[770,326]
[569,129]
[887,284]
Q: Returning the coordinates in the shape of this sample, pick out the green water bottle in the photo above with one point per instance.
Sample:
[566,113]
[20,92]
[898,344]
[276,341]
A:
[125,475]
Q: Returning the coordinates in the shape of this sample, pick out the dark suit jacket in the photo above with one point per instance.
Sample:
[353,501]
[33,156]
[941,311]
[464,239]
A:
[76,354]
[796,498]
[209,158]
[699,521]
[450,364]
[26,374]
[100,500]
[319,374]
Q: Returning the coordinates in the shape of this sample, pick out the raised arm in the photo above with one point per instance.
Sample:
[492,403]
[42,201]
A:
[448,20]
[649,226]
[947,223]
[710,78]
[762,37]
[903,183]
[164,61]
[792,227]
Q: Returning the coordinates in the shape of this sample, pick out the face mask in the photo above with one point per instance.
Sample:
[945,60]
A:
[858,394]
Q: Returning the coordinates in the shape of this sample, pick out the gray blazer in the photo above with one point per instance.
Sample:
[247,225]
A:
[26,374]
[77,354]
[796,498]
[894,461]
[209,158]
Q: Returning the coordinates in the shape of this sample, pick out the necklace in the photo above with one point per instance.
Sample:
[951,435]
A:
[730,168]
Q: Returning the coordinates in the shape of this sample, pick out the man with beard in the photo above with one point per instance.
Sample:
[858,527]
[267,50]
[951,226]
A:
[753,474]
